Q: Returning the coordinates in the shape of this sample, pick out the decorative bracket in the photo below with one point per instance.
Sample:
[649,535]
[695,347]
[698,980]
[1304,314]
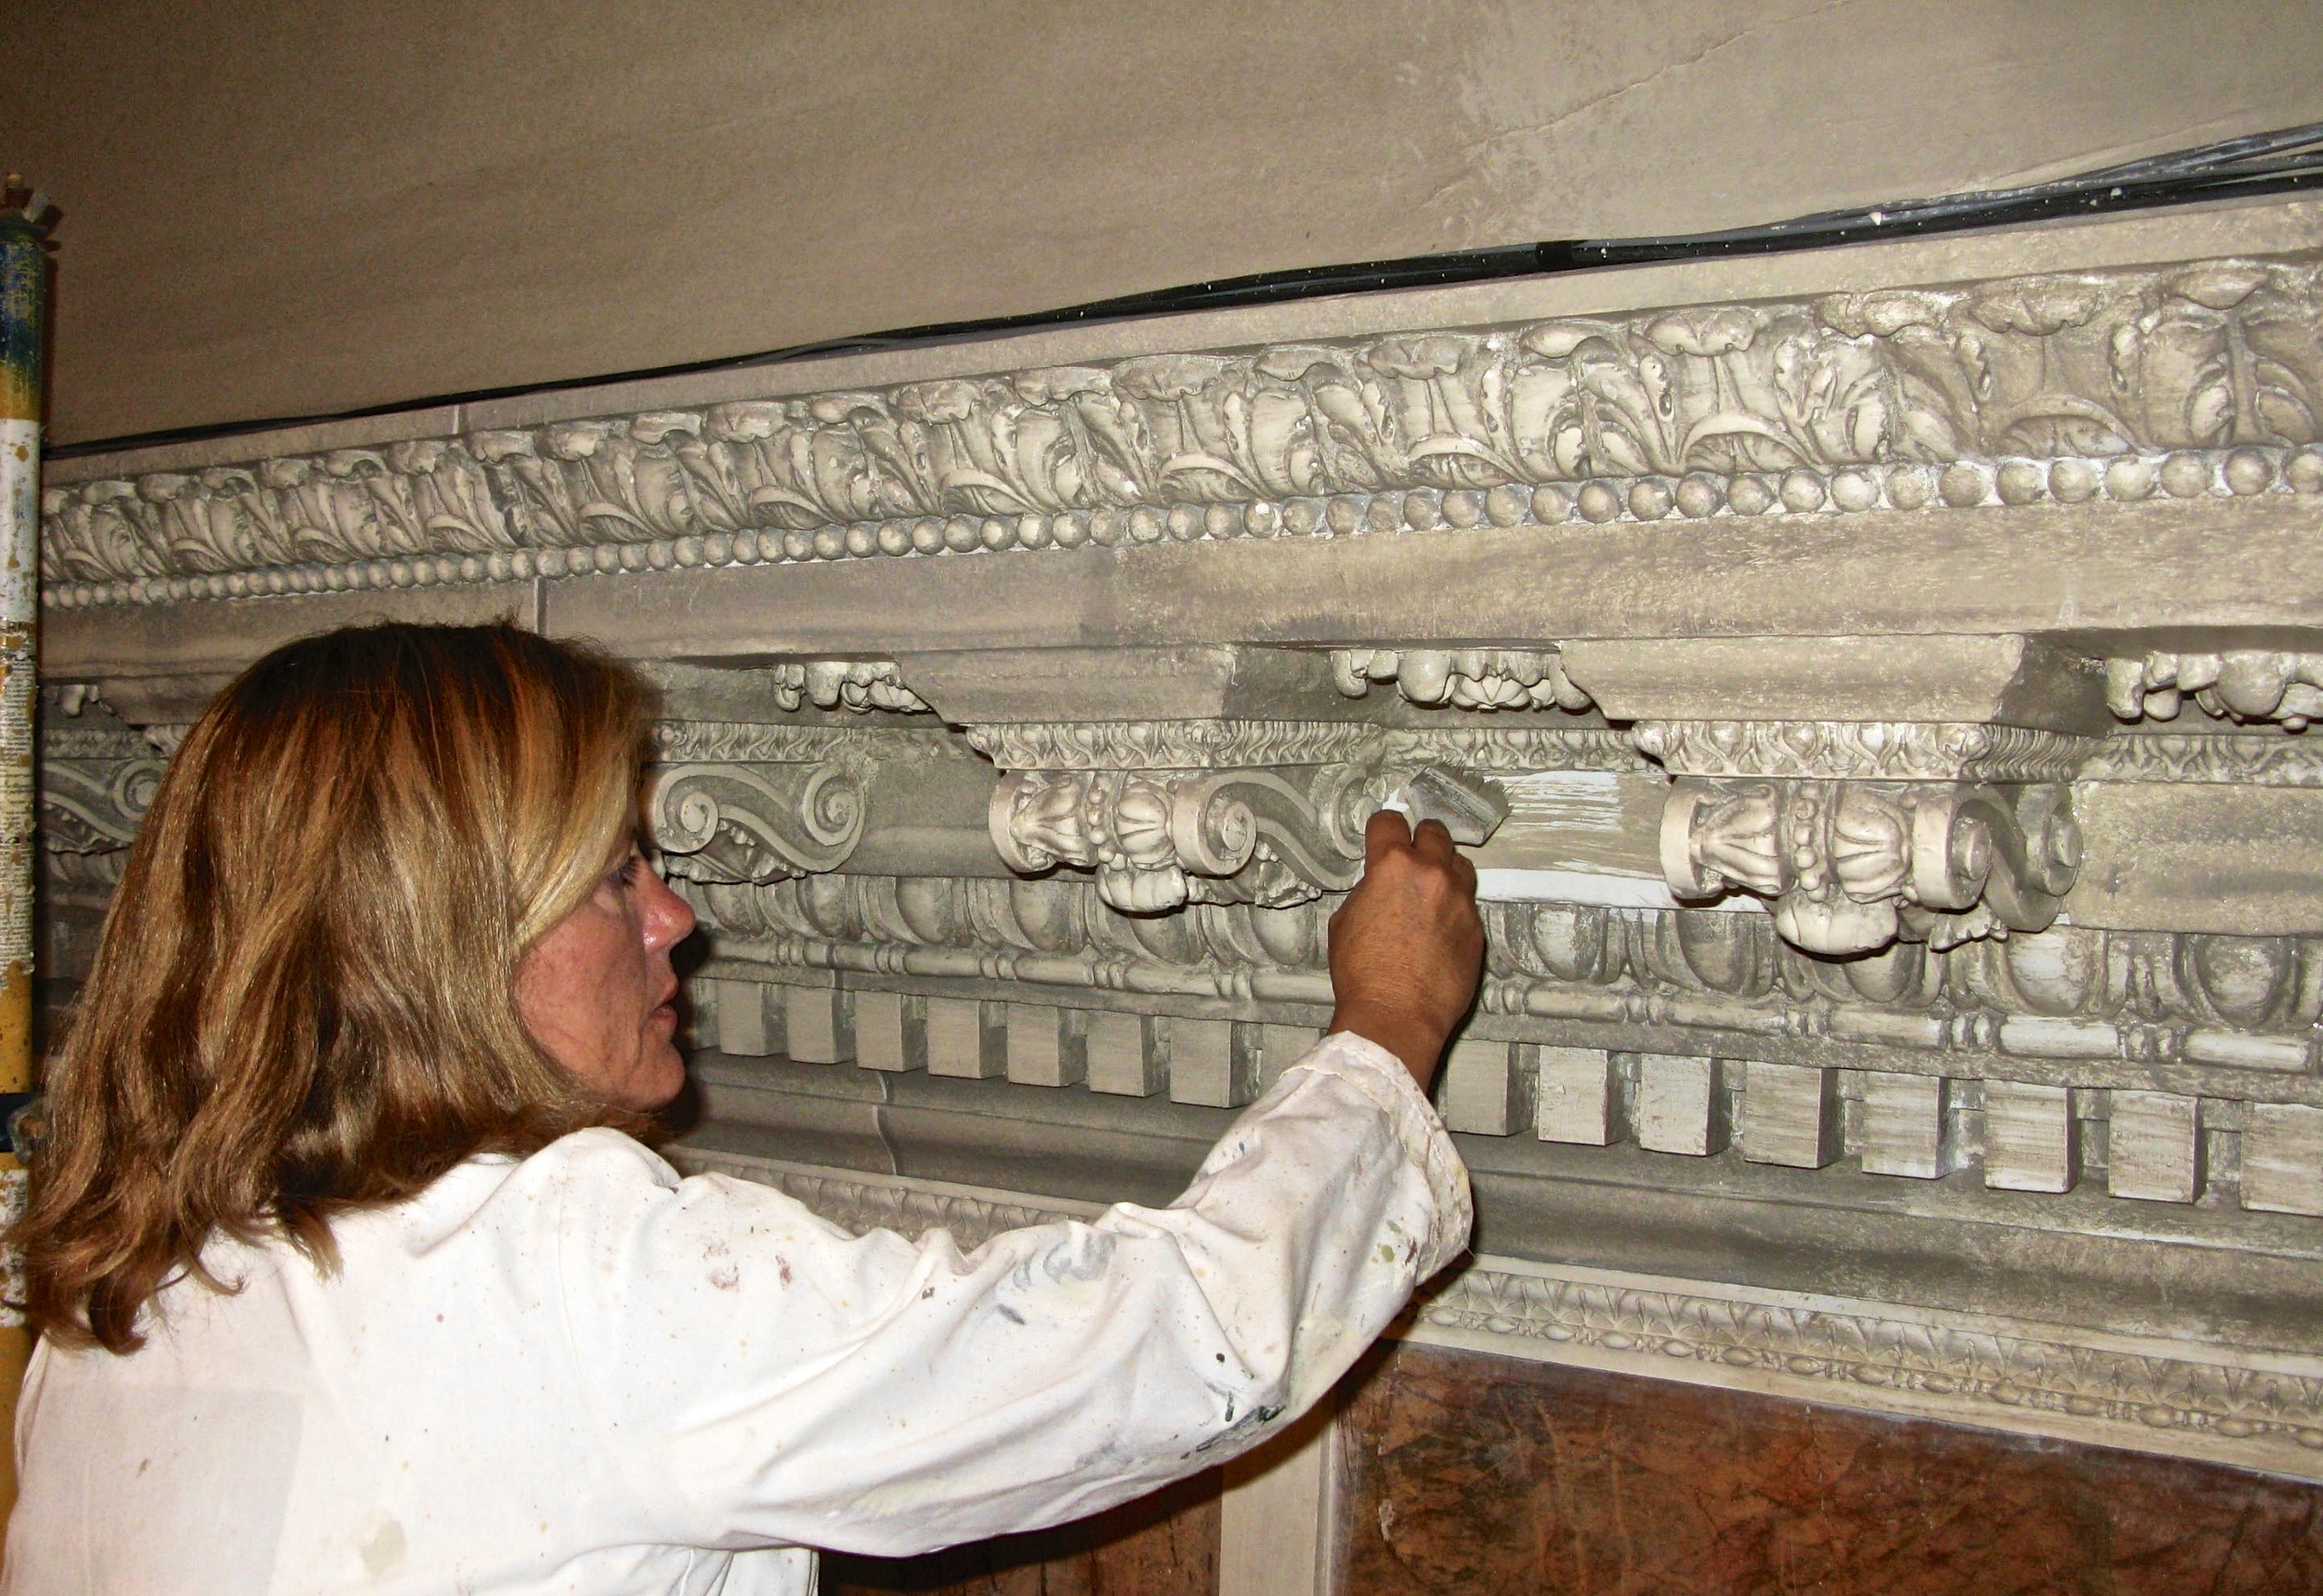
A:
[1161,838]
[1157,839]
[732,824]
[1852,866]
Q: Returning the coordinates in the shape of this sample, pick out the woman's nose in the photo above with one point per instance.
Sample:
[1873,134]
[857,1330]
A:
[669,919]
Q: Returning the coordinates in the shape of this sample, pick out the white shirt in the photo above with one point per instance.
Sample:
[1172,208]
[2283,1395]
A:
[578,1373]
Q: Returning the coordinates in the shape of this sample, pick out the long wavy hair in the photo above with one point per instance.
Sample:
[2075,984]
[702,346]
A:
[304,998]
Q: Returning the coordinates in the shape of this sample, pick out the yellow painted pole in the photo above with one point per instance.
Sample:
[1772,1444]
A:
[23,316]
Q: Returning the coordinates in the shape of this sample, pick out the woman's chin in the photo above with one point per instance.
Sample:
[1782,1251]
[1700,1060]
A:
[664,1080]
[657,1078]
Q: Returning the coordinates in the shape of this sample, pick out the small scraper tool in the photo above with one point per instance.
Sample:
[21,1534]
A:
[1471,811]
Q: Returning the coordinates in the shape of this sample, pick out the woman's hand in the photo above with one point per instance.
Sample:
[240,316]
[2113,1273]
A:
[1407,946]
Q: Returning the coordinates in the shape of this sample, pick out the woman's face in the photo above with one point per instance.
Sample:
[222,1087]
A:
[597,992]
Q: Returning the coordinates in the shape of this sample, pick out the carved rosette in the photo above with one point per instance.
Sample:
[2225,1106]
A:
[1160,839]
[1852,866]
[732,824]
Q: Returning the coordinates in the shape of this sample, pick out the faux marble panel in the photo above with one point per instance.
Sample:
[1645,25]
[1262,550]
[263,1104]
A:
[1478,1474]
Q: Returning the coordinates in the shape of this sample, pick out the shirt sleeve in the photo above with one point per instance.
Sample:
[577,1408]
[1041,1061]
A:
[769,1378]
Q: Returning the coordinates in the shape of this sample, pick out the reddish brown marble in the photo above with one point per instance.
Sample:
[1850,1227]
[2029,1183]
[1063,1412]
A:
[1476,1474]
[1162,1545]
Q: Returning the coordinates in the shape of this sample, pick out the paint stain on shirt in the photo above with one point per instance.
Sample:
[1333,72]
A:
[381,1545]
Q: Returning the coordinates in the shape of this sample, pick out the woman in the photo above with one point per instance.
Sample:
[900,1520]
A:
[351,1273]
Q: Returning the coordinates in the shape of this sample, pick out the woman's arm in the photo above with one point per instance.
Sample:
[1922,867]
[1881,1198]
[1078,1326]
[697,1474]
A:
[779,1380]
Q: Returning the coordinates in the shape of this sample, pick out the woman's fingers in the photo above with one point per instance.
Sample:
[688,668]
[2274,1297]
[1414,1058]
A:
[1387,828]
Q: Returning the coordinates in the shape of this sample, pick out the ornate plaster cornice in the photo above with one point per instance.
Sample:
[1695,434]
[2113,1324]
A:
[2254,1408]
[1883,522]
[1861,750]
[2186,382]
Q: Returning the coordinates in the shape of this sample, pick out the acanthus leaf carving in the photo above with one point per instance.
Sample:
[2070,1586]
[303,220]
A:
[699,741]
[1852,866]
[734,824]
[1159,839]
[1171,744]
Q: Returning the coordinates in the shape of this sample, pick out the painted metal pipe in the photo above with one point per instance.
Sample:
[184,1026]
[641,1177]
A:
[23,316]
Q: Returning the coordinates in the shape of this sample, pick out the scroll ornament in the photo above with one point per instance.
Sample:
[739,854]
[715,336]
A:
[96,806]
[732,824]
[1853,866]
[1157,839]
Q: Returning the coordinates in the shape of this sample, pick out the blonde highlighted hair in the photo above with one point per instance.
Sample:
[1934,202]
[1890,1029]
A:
[304,999]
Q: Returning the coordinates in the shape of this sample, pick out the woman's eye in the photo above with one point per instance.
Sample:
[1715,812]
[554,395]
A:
[627,874]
